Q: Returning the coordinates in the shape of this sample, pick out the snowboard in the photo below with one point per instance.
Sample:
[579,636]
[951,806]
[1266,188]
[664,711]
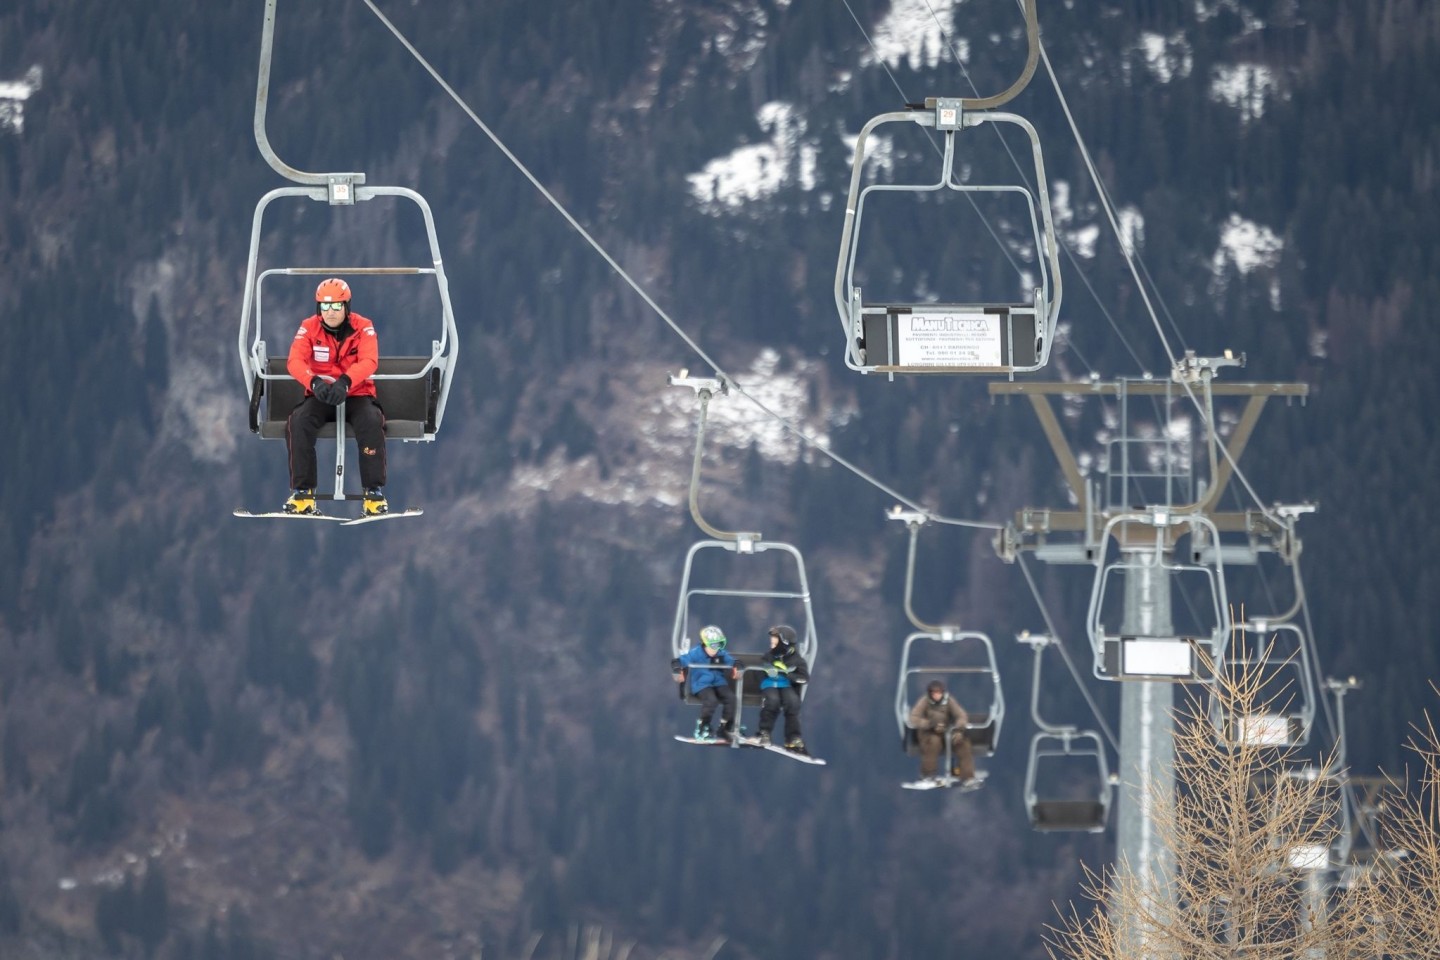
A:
[935,783]
[713,742]
[777,748]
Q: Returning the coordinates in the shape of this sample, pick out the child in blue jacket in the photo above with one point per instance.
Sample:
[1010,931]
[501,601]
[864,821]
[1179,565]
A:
[710,671]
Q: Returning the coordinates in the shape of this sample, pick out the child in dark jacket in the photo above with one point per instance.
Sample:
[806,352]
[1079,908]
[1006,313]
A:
[785,672]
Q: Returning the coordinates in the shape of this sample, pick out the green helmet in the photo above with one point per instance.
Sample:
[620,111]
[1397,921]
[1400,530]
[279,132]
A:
[713,637]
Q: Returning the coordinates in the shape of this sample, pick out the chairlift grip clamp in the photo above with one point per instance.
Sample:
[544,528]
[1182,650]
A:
[1193,369]
[1036,641]
[913,518]
[1007,543]
[701,385]
[340,188]
[949,112]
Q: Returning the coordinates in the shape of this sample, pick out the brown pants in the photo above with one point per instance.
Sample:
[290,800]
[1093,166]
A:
[932,743]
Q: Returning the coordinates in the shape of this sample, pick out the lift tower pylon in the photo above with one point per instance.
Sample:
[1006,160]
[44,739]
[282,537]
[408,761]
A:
[1147,535]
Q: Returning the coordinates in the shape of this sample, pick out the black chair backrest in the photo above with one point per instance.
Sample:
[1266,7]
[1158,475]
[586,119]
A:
[750,682]
[1049,815]
[409,405]
[980,732]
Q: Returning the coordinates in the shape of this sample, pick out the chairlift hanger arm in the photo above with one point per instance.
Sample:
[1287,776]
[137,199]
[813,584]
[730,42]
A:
[262,140]
[914,521]
[1038,643]
[703,390]
[1032,58]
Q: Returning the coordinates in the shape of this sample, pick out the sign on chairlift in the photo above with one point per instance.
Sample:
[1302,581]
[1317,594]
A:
[1264,730]
[948,338]
[1146,657]
[1309,856]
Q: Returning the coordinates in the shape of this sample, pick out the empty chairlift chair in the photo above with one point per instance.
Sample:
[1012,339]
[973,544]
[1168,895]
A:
[947,337]
[1276,659]
[1156,650]
[1055,803]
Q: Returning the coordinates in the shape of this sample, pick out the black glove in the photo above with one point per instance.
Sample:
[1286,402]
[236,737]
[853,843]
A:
[331,393]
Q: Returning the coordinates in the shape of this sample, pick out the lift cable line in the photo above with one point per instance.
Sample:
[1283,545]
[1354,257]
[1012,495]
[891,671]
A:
[1132,258]
[1060,242]
[939,151]
[1109,207]
[1054,635]
[659,311]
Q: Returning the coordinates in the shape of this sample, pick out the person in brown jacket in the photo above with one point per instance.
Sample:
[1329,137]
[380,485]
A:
[931,716]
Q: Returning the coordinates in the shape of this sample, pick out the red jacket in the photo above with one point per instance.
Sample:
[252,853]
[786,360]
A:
[352,350]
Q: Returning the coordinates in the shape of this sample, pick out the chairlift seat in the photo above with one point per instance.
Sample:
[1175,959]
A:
[980,731]
[1268,729]
[409,405]
[1048,815]
[750,680]
[950,338]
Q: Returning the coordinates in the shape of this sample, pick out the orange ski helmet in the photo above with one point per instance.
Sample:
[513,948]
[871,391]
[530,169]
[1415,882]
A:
[333,290]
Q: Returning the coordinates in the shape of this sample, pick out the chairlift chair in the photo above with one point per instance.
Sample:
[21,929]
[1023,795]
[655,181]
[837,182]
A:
[1074,810]
[985,338]
[752,664]
[1286,716]
[412,390]
[1158,652]
[1054,813]
[972,657]
[1333,811]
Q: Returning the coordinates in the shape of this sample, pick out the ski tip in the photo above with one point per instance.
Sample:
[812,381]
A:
[390,515]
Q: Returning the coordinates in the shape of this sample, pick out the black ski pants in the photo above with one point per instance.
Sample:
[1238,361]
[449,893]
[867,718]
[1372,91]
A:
[712,697]
[365,417]
[774,700]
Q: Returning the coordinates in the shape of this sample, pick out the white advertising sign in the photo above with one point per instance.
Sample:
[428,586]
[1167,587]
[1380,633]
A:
[948,339]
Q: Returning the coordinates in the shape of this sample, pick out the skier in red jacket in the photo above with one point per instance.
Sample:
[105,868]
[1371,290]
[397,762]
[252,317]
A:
[334,354]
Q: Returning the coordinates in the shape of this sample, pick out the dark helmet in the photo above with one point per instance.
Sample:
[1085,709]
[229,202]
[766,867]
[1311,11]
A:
[935,687]
[785,633]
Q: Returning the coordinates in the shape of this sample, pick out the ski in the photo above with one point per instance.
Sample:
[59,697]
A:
[777,748]
[282,515]
[935,783]
[343,521]
[392,515]
[713,742]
